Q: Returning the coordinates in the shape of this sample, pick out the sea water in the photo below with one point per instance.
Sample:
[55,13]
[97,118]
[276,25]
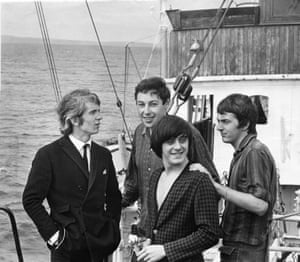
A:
[28,119]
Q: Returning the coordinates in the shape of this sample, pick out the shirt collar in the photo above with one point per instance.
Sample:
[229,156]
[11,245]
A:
[246,140]
[78,143]
[146,131]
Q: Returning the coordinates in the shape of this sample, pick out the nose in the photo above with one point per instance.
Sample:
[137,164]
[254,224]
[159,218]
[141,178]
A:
[177,144]
[219,126]
[147,109]
[99,117]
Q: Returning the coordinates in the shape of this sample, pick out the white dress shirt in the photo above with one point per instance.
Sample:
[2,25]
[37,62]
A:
[79,146]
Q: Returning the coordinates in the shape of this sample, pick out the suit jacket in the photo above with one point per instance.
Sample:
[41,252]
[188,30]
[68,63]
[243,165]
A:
[187,222]
[87,205]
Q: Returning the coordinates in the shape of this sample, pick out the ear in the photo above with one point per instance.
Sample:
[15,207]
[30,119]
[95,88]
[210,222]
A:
[75,121]
[167,103]
[246,127]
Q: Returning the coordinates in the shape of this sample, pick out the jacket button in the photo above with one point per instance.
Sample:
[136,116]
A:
[155,231]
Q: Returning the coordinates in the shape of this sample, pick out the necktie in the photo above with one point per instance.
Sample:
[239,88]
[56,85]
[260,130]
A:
[85,159]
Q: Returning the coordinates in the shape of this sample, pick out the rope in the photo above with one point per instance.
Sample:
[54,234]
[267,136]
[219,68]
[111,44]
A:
[135,63]
[119,103]
[129,53]
[48,50]
[126,68]
[152,51]
[220,22]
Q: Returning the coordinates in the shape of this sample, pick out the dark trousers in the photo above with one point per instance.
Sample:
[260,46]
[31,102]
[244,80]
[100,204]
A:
[80,256]
[237,252]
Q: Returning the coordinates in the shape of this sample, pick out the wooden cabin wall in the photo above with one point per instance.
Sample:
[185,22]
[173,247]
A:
[240,50]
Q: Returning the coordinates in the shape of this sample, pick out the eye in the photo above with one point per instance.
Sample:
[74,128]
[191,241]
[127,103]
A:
[140,104]
[154,103]
[182,138]
[171,141]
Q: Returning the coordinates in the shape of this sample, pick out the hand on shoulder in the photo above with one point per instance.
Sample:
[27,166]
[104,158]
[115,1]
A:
[198,167]
[202,169]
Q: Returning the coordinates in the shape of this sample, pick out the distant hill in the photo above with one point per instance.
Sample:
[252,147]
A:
[6,39]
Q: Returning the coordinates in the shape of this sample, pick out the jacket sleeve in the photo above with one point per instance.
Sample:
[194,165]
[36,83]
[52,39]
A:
[131,192]
[113,194]
[207,222]
[201,154]
[36,190]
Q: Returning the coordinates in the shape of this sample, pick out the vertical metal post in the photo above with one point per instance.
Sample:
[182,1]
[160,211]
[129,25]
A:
[15,232]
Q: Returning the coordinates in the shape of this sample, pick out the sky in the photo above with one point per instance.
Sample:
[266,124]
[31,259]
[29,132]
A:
[116,20]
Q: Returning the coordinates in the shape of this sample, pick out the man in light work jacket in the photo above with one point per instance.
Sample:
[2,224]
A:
[77,177]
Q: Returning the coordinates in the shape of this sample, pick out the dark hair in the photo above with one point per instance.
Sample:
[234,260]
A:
[155,84]
[167,127]
[73,105]
[242,107]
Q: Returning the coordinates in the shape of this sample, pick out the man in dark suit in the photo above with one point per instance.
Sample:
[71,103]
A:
[77,177]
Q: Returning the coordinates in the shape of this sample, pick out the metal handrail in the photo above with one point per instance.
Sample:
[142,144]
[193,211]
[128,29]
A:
[15,232]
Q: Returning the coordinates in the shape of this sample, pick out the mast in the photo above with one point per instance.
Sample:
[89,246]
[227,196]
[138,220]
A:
[164,38]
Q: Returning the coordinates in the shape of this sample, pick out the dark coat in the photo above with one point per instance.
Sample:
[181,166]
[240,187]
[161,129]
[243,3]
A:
[187,222]
[88,206]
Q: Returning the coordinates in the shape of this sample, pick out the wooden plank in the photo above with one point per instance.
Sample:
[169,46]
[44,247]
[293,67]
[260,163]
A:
[215,53]
[297,50]
[263,50]
[283,45]
[245,51]
[241,50]
[256,50]
[240,55]
[220,55]
[277,50]
[268,34]
[291,48]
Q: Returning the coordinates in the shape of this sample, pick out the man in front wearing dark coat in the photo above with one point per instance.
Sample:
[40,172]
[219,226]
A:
[77,177]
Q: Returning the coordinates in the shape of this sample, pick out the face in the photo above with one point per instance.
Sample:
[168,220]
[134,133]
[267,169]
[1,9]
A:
[90,120]
[231,133]
[175,150]
[150,108]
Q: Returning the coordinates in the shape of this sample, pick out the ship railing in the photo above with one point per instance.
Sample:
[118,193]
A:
[285,245]
[14,231]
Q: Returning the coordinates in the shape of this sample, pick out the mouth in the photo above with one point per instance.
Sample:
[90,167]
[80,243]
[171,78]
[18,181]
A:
[148,119]
[177,154]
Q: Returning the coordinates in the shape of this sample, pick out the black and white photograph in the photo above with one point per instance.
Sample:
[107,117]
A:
[150,130]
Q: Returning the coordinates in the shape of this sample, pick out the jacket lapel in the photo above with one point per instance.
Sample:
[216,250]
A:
[174,196]
[73,153]
[153,208]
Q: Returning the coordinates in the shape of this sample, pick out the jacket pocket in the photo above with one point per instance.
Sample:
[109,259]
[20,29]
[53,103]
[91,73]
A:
[226,250]
[63,216]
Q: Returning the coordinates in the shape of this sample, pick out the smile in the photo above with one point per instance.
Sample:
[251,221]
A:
[148,119]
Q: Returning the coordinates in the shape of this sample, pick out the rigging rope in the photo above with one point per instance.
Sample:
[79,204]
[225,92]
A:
[152,51]
[119,103]
[48,50]
[129,53]
[135,63]
[219,24]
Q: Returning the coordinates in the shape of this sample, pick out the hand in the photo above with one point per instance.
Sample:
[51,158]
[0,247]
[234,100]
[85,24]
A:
[132,239]
[202,169]
[138,243]
[198,167]
[151,253]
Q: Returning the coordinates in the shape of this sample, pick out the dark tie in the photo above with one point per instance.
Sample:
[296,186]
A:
[85,159]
